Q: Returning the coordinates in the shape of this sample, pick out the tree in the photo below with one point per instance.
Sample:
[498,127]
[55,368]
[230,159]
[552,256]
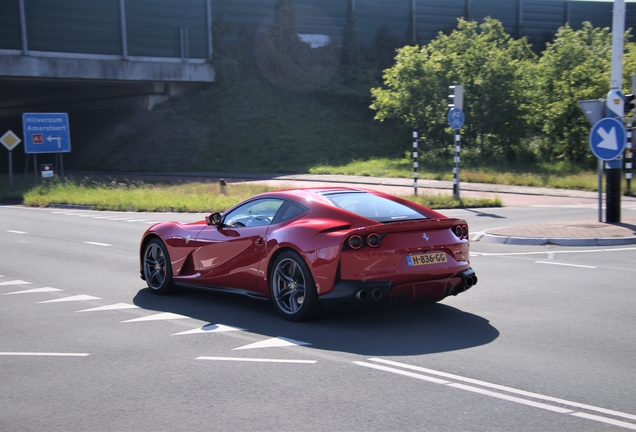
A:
[491,66]
[574,66]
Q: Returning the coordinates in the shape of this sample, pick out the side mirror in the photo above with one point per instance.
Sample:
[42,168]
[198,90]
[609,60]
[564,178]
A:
[213,219]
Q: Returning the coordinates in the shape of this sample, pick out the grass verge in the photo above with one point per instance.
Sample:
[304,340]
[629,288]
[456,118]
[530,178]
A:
[180,197]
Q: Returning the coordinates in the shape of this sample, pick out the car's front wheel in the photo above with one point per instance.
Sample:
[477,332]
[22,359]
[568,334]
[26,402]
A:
[292,287]
[157,267]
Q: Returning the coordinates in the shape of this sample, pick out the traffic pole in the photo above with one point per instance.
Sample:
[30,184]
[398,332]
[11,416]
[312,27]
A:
[615,105]
[415,163]
[456,168]
[628,158]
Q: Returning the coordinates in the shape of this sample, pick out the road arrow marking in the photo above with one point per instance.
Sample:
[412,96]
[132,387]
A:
[157,317]
[35,290]
[609,141]
[274,342]
[15,282]
[117,306]
[73,298]
[210,328]
[44,354]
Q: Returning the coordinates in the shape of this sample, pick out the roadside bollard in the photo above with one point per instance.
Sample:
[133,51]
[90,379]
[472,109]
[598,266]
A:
[223,186]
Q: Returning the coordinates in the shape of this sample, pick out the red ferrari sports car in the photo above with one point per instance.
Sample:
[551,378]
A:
[314,247]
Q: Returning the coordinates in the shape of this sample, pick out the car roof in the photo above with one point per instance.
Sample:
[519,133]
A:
[313,192]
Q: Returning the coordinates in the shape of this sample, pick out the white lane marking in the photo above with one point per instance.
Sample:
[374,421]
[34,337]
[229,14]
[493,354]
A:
[15,282]
[157,317]
[507,389]
[17,232]
[97,244]
[511,398]
[259,360]
[553,252]
[44,354]
[137,220]
[82,297]
[117,306]
[101,217]
[605,420]
[575,206]
[120,219]
[402,372]
[35,291]
[273,342]
[210,328]
[566,265]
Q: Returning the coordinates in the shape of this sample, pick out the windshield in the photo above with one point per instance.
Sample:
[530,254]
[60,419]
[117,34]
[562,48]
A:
[373,207]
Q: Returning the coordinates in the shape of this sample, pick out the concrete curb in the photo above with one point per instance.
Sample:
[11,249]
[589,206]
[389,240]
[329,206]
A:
[541,241]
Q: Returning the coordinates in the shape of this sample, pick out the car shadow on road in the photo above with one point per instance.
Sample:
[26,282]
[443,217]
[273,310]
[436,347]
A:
[389,331]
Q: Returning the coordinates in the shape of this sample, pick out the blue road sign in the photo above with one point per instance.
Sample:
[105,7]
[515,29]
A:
[456,118]
[608,139]
[46,133]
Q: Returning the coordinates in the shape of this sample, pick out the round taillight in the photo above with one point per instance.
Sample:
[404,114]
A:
[355,242]
[373,240]
[465,231]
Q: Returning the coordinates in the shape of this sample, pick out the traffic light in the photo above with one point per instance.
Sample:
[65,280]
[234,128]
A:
[630,104]
[456,98]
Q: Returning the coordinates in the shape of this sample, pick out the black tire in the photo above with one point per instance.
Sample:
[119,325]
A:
[157,267]
[292,287]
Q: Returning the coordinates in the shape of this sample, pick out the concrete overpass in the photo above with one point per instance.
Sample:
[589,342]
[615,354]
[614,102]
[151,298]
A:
[77,55]
[98,61]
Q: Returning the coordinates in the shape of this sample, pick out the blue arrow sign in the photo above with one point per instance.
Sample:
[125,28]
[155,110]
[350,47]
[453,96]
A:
[46,133]
[456,118]
[608,139]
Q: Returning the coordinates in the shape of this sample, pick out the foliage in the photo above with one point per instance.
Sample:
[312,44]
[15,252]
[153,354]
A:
[518,106]
[491,66]
[280,106]
[181,197]
[140,196]
[561,176]
[575,66]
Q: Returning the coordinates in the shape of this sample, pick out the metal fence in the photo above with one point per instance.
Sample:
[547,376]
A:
[181,28]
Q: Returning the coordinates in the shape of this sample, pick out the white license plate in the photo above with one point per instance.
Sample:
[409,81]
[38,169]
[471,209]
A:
[426,259]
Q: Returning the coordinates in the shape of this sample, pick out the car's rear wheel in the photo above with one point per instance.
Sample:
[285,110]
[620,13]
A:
[157,267]
[292,287]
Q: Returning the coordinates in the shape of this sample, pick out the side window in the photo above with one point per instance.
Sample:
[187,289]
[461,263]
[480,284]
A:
[290,210]
[254,213]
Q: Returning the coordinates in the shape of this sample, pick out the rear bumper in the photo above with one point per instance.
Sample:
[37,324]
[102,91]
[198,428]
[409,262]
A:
[352,293]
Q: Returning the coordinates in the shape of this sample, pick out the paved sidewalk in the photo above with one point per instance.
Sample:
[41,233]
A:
[588,232]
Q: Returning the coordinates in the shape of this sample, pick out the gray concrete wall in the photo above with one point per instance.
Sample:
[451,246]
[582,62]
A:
[21,66]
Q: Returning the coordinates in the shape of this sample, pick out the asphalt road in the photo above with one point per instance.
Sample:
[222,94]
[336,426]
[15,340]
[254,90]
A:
[544,341]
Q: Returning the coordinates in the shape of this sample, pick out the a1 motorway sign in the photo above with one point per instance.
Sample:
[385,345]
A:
[46,133]
[608,139]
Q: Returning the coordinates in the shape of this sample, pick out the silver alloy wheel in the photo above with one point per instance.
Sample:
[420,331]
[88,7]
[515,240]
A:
[154,266]
[289,286]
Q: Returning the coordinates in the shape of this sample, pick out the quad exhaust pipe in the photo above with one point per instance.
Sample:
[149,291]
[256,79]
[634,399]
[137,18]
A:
[364,295]
[469,279]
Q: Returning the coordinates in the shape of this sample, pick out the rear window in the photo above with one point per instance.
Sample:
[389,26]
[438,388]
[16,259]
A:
[373,207]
